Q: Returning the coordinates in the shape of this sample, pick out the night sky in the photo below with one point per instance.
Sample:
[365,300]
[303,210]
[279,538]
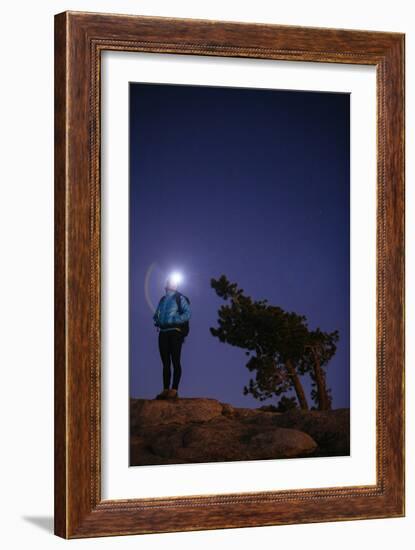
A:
[249,183]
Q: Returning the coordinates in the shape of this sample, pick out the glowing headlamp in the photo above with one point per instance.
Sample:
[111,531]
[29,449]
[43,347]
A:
[175,278]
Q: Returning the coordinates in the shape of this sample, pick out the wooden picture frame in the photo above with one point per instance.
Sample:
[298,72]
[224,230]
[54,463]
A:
[79,40]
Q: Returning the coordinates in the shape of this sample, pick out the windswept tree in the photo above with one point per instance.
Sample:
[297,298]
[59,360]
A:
[251,326]
[280,346]
[319,349]
[273,338]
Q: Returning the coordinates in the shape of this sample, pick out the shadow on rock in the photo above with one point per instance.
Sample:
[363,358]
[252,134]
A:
[198,430]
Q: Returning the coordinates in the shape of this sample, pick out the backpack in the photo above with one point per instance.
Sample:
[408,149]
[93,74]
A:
[184,327]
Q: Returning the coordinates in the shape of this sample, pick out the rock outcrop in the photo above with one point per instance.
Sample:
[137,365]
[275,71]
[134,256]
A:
[204,430]
[330,429]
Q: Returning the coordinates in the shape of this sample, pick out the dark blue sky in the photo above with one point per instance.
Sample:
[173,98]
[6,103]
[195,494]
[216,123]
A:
[249,183]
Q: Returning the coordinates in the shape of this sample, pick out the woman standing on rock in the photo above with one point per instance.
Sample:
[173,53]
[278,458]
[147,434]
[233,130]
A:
[172,319]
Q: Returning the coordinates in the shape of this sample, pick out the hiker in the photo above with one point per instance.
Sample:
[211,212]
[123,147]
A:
[172,319]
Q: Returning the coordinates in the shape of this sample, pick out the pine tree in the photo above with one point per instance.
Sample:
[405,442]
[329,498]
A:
[273,338]
[280,346]
[319,349]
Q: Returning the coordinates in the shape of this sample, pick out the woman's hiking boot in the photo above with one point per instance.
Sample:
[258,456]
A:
[163,395]
[172,394]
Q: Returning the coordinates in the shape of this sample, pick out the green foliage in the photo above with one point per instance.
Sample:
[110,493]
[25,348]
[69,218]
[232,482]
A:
[286,404]
[272,338]
[270,378]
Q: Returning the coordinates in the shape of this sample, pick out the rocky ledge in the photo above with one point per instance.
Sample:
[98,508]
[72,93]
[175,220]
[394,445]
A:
[191,430]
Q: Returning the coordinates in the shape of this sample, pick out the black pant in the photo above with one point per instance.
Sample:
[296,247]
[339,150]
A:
[170,347]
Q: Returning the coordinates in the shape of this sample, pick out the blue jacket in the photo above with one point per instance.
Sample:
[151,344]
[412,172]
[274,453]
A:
[167,312]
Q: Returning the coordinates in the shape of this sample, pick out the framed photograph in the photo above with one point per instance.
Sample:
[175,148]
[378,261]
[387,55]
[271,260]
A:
[229,274]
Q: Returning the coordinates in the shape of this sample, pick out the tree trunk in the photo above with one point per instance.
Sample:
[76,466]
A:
[323,398]
[297,385]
